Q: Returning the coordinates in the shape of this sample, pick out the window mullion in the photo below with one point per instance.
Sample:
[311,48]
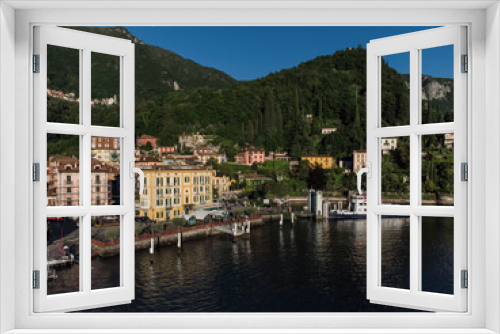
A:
[414,169]
[86,172]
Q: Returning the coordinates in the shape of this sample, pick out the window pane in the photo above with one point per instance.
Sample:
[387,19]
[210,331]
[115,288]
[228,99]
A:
[437,84]
[437,254]
[63,254]
[63,85]
[105,90]
[105,252]
[437,169]
[105,170]
[395,170]
[63,170]
[395,257]
[395,99]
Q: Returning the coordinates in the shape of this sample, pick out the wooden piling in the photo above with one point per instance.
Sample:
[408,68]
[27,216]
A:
[179,238]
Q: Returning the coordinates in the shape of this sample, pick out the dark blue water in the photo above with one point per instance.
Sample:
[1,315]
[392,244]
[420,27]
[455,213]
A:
[310,267]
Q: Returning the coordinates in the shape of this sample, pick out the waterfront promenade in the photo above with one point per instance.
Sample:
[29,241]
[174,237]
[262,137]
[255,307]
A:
[169,236]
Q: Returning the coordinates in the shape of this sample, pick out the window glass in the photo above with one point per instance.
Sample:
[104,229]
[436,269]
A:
[395,170]
[395,93]
[437,169]
[105,252]
[63,170]
[105,91]
[63,255]
[395,265]
[105,178]
[63,85]
[437,254]
[437,88]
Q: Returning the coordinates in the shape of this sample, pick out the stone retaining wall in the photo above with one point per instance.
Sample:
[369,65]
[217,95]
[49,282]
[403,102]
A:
[168,238]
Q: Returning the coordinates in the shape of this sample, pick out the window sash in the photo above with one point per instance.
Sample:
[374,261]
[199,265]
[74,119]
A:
[86,44]
[412,43]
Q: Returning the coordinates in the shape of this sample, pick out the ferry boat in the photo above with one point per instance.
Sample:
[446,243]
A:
[356,209]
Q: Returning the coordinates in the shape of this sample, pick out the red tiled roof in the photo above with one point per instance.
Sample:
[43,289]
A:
[147,137]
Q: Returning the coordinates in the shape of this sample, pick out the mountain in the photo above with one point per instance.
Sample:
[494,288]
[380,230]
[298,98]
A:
[433,88]
[158,71]
[282,111]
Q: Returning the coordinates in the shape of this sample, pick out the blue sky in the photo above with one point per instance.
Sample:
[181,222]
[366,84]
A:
[247,53]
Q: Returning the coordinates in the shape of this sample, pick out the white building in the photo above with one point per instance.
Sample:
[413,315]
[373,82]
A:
[388,144]
[327,131]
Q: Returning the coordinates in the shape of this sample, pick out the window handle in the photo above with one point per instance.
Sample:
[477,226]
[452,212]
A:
[359,174]
[139,171]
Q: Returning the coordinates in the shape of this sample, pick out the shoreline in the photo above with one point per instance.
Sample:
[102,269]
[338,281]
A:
[170,237]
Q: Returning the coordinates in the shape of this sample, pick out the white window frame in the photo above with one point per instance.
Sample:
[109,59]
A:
[413,43]
[483,315]
[85,43]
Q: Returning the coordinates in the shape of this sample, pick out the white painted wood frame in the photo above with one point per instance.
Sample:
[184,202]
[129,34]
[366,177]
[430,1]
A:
[17,19]
[85,43]
[414,43]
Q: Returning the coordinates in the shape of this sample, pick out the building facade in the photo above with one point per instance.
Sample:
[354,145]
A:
[145,139]
[221,184]
[278,156]
[327,131]
[251,155]
[106,150]
[388,144]
[206,153]
[164,150]
[63,182]
[324,161]
[170,191]
[148,161]
[358,160]
[192,140]
[449,140]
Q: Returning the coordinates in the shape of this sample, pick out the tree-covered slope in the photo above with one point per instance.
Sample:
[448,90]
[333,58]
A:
[284,110]
[158,71]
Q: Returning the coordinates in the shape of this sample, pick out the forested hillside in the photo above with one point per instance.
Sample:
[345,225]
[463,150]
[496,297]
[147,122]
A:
[284,110]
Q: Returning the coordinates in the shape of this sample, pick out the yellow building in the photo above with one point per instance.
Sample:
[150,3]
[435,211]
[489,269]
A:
[222,184]
[169,190]
[324,161]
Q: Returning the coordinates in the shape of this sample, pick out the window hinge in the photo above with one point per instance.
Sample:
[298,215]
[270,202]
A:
[36,279]
[36,63]
[464,172]
[465,279]
[36,172]
[465,64]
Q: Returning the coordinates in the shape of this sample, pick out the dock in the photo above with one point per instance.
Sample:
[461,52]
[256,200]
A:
[65,261]
[236,229]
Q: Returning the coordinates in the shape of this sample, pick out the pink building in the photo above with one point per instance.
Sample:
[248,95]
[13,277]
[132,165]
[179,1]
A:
[144,139]
[63,182]
[164,149]
[358,160]
[249,156]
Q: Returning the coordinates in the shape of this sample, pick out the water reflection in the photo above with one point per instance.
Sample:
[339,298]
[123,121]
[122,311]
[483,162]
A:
[308,267]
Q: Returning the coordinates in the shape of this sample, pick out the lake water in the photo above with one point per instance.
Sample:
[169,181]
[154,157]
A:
[310,267]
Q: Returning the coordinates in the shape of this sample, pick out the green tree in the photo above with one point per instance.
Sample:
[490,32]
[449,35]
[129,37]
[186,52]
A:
[317,178]
[250,133]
